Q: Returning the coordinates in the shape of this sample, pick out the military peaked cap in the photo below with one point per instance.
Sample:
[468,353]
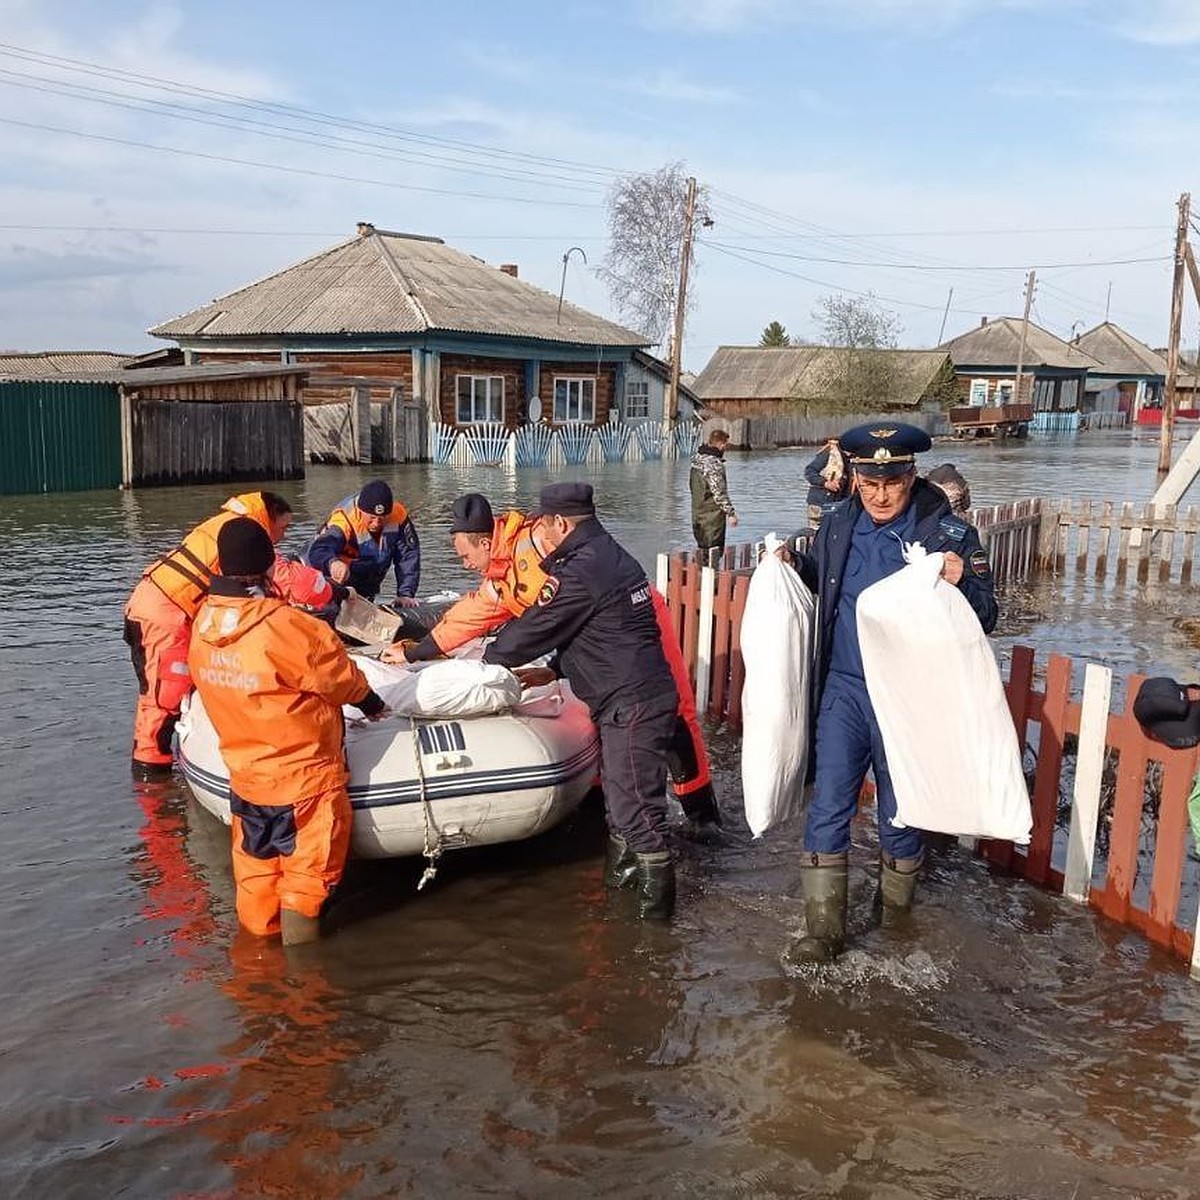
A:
[884,448]
[566,500]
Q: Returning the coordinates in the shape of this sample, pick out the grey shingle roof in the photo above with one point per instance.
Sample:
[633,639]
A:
[997,344]
[381,282]
[803,373]
[57,364]
[1120,353]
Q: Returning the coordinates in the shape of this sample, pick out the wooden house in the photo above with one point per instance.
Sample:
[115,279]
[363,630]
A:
[1131,376]
[1053,372]
[427,341]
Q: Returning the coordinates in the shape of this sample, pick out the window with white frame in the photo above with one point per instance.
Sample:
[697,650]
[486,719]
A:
[480,398]
[574,400]
[637,399]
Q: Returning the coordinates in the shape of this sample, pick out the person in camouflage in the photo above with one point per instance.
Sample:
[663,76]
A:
[711,506]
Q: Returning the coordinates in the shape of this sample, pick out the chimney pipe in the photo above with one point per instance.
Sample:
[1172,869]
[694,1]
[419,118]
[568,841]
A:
[509,269]
[365,229]
[982,322]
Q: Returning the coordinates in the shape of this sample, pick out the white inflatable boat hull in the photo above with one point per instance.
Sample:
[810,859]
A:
[486,779]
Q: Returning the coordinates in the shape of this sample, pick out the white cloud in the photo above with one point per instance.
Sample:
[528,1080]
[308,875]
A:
[672,86]
[1163,23]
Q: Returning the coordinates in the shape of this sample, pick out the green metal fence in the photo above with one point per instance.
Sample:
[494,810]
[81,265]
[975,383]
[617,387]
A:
[59,437]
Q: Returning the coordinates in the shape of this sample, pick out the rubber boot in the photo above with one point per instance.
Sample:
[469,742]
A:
[296,929]
[620,863]
[897,883]
[656,886]
[148,772]
[824,880]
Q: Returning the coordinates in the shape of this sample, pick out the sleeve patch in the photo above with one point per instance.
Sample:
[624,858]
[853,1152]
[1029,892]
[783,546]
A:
[547,591]
[979,563]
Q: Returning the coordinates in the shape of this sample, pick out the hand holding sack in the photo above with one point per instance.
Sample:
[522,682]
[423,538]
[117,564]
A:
[934,685]
[777,639]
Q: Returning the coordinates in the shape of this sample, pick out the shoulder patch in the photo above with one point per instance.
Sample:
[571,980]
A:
[979,563]
[954,527]
[547,591]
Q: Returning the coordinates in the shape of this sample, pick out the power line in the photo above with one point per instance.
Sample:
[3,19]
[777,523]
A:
[305,171]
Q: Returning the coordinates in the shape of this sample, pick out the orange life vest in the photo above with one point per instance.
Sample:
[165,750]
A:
[510,585]
[353,523]
[183,574]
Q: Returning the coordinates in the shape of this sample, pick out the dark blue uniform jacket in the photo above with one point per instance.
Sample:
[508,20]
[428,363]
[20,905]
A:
[596,611]
[936,529]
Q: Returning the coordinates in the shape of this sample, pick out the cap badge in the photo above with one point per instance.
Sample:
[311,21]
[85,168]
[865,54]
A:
[883,433]
[882,455]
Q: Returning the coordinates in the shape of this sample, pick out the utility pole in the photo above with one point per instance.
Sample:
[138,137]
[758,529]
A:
[1166,429]
[942,331]
[1108,302]
[685,261]
[1030,280]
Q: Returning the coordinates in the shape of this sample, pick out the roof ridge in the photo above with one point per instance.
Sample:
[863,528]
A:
[402,280]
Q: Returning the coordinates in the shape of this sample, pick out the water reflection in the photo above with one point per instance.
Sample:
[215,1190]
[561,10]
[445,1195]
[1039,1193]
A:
[505,1031]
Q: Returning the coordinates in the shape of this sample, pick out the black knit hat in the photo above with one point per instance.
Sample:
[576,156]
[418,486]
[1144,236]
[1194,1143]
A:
[472,514]
[244,548]
[1163,710]
[375,499]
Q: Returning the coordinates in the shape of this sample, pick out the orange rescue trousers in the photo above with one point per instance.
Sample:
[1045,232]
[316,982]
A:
[288,856]
[157,633]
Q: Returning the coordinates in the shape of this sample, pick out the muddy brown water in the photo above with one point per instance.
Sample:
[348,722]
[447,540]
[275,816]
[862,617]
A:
[508,1031]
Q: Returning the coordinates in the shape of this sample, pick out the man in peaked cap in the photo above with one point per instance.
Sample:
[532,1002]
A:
[506,551]
[364,536]
[596,610]
[859,543]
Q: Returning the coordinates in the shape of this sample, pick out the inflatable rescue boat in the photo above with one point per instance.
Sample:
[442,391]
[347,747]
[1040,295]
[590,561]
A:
[419,782]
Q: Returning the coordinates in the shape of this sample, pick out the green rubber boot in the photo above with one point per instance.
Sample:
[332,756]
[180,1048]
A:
[656,886]
[620,863]
[296,929]
[897,884]
[825,880]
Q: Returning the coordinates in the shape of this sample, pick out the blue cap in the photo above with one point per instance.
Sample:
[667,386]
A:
[375,498]
[566,500]
[884,448]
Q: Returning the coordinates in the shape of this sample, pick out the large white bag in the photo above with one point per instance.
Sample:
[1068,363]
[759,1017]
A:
[777,635]
[445,688]
[950,742]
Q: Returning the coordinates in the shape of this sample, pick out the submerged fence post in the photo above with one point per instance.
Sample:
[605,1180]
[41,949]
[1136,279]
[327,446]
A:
[704,636]
[1089,771]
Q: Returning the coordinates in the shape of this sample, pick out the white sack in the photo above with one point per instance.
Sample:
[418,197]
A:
[450,688]
[950,742]
[777,635]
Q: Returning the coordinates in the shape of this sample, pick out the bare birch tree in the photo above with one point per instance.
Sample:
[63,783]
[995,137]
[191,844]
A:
[645,240]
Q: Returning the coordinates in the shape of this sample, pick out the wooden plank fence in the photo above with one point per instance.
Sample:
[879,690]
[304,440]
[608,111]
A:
[1123,848]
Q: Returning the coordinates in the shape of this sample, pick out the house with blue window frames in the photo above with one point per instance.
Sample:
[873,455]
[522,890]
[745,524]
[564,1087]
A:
[417,350]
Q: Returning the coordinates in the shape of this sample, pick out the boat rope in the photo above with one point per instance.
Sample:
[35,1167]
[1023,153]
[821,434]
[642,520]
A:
[432,850]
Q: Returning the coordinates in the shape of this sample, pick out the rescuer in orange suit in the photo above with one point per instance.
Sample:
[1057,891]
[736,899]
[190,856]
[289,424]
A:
[159,615]
[505,552]
[273,681]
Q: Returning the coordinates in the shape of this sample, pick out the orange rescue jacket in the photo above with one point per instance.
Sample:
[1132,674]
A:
[183,574]
[273,680]
[510,585]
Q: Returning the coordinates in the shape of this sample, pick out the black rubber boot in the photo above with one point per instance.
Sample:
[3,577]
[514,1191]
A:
[620,863]
[144,772]
[656,886]
[897,883]
[700,806]
[825,880]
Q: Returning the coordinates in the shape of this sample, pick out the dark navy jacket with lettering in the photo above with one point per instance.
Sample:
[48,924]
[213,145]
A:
[596,611]
[936,529]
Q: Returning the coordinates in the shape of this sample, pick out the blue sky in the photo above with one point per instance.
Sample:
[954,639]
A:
[900,147]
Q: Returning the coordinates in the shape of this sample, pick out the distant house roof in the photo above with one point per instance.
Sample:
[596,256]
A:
[1120,353]
[381,282]
[805,373]
[57,364]
[998,344]
[656,366]
[199,373]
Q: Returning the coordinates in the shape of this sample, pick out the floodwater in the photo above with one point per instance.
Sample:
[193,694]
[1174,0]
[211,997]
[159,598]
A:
[508,1032]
